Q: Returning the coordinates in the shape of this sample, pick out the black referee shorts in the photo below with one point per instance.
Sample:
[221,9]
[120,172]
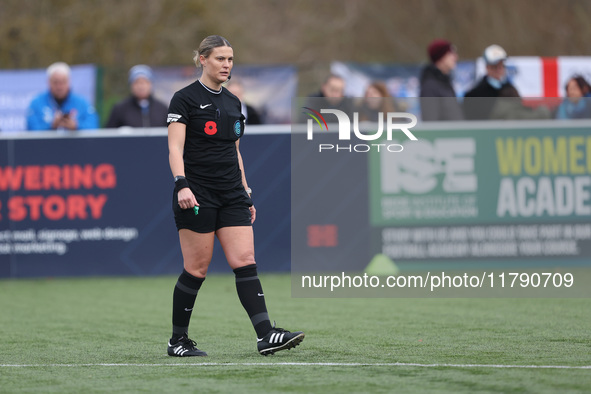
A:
[217,209]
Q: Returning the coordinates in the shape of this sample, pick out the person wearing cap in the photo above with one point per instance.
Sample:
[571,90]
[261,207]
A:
[436,83]
[489,86]
[58,108]
[140,109]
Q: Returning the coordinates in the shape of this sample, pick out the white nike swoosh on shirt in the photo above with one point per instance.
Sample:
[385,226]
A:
[202,106]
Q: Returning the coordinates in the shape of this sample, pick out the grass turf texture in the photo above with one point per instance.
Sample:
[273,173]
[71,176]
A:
[127,321]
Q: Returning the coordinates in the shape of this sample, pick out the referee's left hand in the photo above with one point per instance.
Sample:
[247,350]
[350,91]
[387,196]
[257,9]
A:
[253,213]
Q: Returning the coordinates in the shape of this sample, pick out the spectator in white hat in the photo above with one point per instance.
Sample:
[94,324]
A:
[489,86]
[140,109]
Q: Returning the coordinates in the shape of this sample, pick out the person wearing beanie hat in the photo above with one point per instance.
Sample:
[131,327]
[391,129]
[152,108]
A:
[491,85]
[140,109]
[140,71]
[436,83]
[439,48]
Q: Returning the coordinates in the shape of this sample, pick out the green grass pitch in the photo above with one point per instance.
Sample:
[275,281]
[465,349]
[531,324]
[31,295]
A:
[110,334]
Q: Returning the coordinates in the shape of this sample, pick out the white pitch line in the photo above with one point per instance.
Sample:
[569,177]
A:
[294,364]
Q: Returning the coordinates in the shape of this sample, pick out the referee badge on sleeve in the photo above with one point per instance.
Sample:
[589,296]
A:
[237,128]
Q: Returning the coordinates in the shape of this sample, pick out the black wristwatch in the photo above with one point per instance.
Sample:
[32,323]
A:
[176,178]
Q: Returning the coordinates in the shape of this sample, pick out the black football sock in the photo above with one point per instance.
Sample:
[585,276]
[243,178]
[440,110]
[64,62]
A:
[252,298]
[183,300]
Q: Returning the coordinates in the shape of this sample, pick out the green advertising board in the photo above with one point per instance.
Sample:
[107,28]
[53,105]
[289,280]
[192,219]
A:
[508,190]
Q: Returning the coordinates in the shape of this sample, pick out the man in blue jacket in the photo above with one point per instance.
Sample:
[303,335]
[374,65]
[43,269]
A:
[59,108]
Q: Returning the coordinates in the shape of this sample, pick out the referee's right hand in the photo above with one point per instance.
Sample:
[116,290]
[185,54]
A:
[186,199]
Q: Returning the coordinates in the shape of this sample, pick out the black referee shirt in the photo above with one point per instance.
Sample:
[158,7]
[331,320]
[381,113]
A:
[214,122]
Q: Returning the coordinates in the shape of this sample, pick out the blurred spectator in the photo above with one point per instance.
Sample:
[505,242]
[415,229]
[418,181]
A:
[376,99]
[489,86]
[576,104]
[436,83]
[509,106]
[332,94]
[59,108]
[140,109]
[251,115]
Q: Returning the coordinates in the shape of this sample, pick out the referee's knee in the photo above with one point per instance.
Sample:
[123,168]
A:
[198,273]
[242,260]
[198,270]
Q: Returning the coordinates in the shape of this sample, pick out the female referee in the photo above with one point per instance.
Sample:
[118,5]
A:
[211,198]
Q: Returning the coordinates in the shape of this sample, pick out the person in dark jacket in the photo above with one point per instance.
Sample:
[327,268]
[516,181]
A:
[436,83]
[140,109]
[475,106]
